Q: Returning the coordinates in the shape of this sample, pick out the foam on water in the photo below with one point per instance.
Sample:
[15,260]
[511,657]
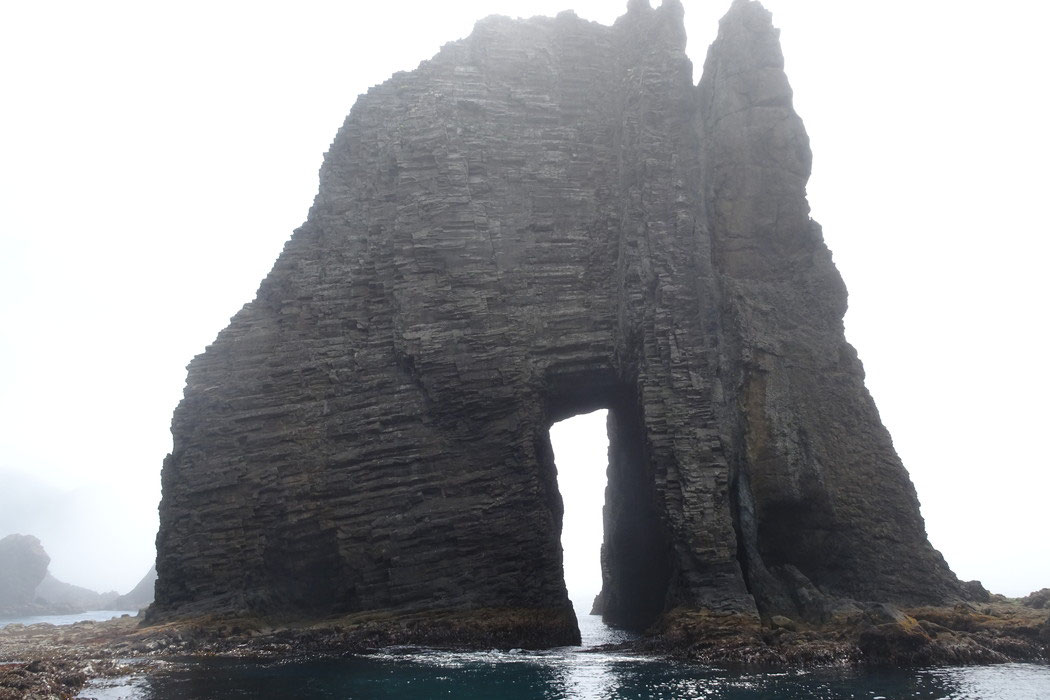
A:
[585,672]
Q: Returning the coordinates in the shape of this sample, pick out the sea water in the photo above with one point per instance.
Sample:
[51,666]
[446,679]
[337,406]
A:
[568,672]
[90,615]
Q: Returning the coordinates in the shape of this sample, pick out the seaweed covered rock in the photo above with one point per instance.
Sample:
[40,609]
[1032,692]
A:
[1037,599]
[140,596]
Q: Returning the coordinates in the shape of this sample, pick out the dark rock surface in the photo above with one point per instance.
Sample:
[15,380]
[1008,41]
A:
[546,218]
[596,605]
[140,596]
[23,565]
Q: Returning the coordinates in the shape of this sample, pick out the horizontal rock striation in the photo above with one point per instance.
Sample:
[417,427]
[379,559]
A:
[546,218]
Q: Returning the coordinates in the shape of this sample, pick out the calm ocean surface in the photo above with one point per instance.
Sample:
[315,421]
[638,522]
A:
[95,615]
[569,672]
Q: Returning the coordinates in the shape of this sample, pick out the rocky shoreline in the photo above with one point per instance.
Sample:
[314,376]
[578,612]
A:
[44,661]
[874,634]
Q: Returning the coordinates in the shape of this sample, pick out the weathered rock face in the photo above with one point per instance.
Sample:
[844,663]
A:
[23,565]
[547,218]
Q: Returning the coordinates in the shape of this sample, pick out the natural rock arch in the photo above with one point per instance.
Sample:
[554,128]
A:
[548,216]
[636,553]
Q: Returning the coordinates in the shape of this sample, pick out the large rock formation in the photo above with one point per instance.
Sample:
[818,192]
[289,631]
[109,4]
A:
[546,218]
[23,565]
[27,588]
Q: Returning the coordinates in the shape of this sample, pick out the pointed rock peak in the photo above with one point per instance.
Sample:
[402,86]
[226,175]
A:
[638,6]
[747,39]
[752,15]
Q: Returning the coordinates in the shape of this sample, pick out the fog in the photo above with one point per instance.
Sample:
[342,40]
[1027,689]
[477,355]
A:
[581,465]
[155,157]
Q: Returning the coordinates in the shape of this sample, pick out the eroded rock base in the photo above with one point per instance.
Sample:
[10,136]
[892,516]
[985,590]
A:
[44,661]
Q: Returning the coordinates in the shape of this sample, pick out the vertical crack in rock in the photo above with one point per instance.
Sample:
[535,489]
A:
[547,217]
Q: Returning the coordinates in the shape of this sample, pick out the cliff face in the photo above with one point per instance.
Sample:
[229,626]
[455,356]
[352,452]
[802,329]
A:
[547,218]
[823,497]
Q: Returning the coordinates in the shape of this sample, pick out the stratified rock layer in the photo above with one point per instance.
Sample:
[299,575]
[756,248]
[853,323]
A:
[547,218]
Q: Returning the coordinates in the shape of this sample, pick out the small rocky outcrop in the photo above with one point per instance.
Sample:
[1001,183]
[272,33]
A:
[23,565]
[871,634]
[138,597]
[27,588]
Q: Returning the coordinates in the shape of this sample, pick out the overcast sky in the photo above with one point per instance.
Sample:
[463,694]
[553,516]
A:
[154,157]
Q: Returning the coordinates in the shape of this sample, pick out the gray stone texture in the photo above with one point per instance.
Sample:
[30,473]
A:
[140,596]
[546,218]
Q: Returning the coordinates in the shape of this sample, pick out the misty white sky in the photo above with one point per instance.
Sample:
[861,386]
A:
[155,156]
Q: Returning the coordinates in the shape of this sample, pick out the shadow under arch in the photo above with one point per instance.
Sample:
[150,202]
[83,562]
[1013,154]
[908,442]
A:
[636,550]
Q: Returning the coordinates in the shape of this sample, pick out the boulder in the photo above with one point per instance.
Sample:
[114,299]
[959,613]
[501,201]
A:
[140,596]
[547,218]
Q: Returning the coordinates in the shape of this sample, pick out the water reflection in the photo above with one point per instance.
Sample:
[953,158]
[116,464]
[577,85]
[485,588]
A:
[570,672]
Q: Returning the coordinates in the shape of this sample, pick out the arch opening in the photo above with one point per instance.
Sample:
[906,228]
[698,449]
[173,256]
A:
[581,447]
[616,548]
